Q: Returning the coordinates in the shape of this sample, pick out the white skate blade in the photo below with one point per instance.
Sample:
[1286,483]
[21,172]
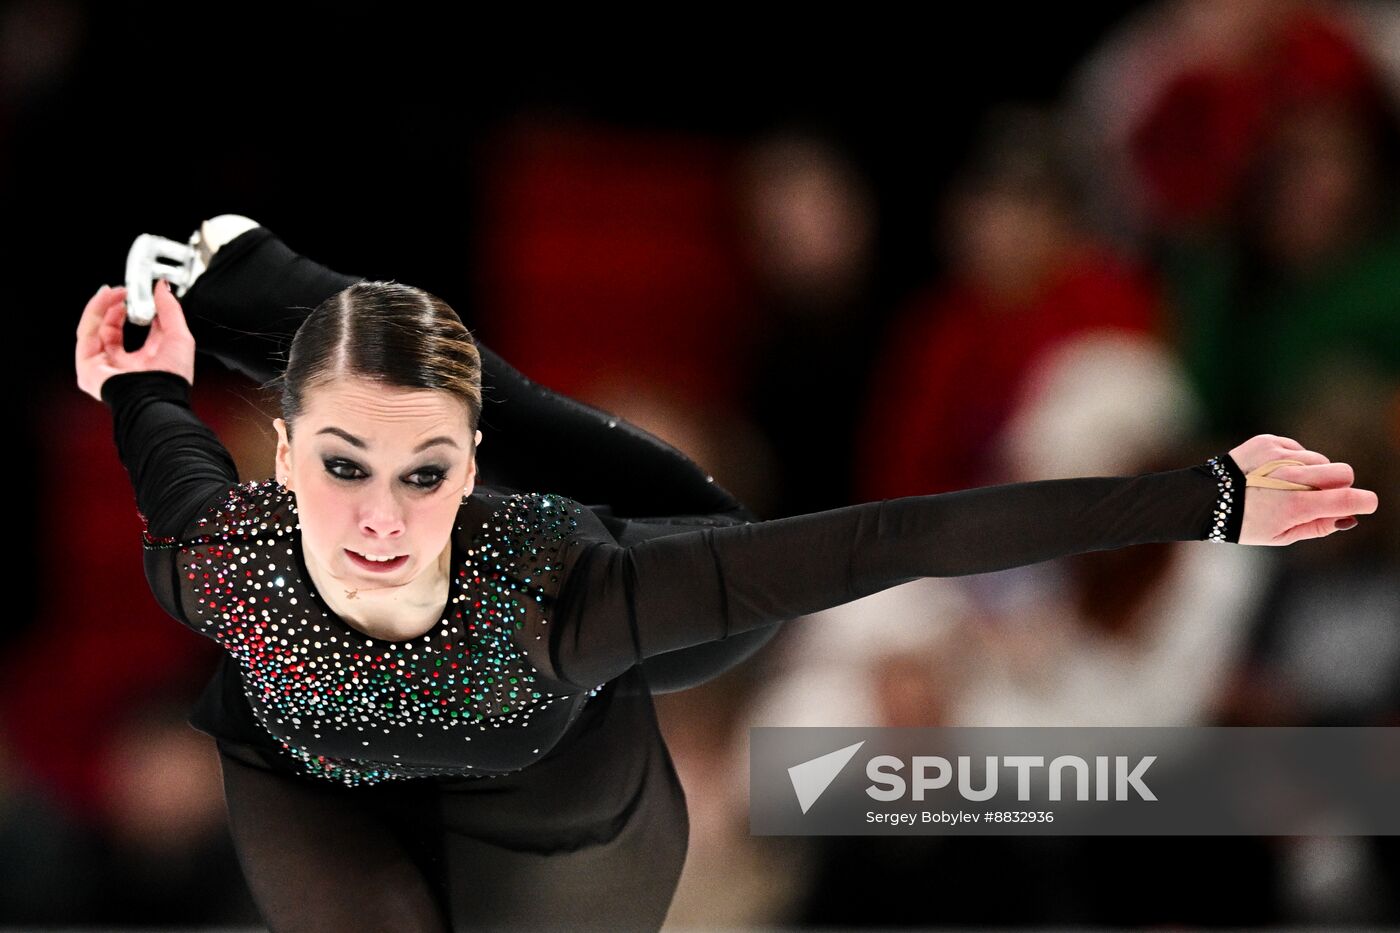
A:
[154,257]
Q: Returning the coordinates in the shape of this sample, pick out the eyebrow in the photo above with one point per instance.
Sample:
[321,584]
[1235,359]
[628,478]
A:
[352,439]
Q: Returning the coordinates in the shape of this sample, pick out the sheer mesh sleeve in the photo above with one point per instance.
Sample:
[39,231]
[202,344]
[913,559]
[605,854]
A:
[620,605]
[177,466]
[246,308]
[692,666]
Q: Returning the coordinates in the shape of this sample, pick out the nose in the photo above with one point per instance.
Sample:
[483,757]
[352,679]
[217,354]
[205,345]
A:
[382,529]
[381,515]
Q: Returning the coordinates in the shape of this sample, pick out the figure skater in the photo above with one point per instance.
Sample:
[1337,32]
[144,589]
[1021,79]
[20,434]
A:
[434,710]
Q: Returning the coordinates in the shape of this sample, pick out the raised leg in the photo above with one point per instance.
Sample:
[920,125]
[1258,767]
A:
[246,307]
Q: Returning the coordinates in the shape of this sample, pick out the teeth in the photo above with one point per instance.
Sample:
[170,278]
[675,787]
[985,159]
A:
[376,559]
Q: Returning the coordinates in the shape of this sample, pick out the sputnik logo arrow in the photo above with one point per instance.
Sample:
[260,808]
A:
[810,779]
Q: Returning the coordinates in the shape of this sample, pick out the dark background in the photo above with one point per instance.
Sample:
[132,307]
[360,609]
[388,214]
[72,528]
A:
[368,137]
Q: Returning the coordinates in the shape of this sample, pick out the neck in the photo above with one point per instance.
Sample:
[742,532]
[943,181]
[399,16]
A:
[394,613]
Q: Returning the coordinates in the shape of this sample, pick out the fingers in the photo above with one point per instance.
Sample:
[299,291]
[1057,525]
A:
[1366,501]
[170,317]
[1321,475]
[1317,528]
[96,308]
[1303,454]
[110,332]
[1288,449]
[1261,448]
[1328,505]
[93,316]
[92,311]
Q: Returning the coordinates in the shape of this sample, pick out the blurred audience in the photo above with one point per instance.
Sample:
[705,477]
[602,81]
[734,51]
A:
[1024,276]
[1199,243]
[117,787]
[809,232]
[611,271]
[1255,149]
[1138,636]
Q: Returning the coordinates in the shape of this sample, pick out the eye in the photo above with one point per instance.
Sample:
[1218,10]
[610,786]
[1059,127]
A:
[429,479]
[333,465]
[435,479]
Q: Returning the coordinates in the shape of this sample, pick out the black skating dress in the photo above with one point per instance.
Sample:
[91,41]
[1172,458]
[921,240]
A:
[505,769]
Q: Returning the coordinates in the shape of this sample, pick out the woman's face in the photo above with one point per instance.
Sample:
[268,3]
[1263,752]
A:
[378,471]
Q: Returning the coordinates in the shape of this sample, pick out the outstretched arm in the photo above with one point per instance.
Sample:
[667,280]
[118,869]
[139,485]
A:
[620,605]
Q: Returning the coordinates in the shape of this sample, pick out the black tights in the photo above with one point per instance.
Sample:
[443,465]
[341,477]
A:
[592,838]
[315,859]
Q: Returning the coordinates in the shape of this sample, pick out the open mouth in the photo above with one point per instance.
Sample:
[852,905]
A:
[376,566]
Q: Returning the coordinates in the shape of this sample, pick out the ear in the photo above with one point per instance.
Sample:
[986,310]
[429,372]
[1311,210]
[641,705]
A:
[471,471]
[283,460]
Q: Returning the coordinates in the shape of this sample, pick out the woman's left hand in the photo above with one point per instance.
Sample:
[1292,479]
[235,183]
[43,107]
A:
[1278,517]
[100,354]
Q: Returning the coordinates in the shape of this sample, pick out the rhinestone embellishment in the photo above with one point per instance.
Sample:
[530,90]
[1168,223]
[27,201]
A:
[1224,503]
[305,671]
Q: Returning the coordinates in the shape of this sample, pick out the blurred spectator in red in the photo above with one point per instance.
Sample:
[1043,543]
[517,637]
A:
[1167,114]
[1023,276]
[1257,148]
[1304,275]
[611,272]
[809,219]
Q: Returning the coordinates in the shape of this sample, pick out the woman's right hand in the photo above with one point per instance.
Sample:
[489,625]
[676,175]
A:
[1283,516]
[169,345]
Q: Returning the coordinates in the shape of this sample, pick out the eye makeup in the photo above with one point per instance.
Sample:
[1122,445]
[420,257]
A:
[436,474]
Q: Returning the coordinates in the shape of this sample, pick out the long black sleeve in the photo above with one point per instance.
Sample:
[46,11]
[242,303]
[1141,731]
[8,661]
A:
[622,604]
[177,465]
[247,306]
